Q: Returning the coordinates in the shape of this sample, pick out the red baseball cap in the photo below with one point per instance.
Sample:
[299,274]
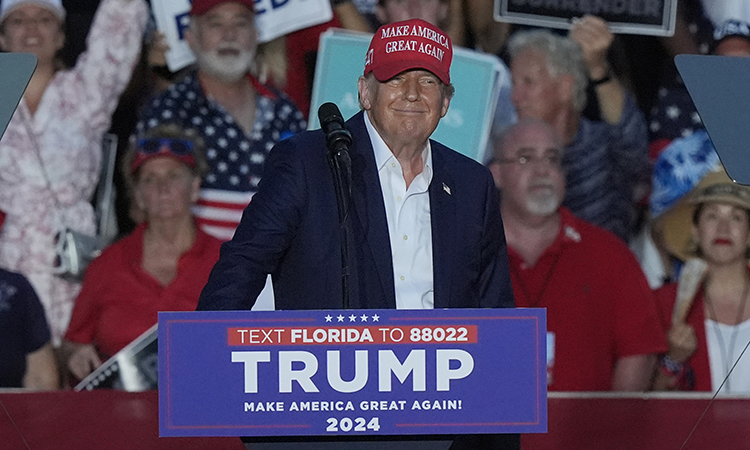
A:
[410,44]
[201,7]
[147,149]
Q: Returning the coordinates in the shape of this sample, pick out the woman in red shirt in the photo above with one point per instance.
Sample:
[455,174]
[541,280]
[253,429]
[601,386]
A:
[707,313]
[161,266]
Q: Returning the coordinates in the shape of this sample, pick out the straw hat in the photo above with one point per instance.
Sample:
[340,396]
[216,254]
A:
[675,225]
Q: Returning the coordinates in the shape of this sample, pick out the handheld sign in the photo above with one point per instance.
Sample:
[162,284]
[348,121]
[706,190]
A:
[132,369]
[273,18]
[352,372]
[646,17]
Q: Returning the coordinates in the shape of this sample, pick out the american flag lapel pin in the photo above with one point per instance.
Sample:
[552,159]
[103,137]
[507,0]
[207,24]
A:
[446,189]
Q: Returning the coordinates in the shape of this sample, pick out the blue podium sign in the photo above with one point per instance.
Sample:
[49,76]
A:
[352,372]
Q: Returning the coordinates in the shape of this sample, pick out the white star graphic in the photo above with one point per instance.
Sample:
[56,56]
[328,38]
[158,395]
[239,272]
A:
[375,318]
[673,112]
[340,318]
[352,318]
[363,317]
[328,318]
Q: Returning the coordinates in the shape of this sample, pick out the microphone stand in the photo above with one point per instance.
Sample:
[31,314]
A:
[338,140]
[341,166]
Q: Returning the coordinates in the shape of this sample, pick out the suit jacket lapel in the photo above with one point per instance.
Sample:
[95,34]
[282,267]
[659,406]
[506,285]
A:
[443,220]
[368,206]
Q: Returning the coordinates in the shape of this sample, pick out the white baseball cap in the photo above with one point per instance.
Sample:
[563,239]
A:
[8,6]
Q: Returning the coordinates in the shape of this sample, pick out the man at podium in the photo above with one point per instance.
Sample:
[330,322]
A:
[424,226]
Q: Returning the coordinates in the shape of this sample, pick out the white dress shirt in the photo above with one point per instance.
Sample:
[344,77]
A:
[409,224]
[724,351]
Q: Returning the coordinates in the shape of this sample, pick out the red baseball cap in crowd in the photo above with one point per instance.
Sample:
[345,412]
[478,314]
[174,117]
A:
[409,44]
[201,7]
[179,149]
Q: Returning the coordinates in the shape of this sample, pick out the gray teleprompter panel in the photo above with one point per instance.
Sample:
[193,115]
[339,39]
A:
[15,73]
[720,89]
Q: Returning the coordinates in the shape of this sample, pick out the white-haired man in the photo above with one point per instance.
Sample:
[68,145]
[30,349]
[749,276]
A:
[603,159]
[239,118]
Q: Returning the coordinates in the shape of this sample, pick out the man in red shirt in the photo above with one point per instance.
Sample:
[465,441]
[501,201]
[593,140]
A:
[603,328]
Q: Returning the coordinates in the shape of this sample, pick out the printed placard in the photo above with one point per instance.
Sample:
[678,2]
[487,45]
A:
[646,17]
[352,372]
[273,18]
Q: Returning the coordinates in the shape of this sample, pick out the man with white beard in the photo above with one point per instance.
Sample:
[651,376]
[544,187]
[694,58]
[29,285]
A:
[239,118]
[603,329]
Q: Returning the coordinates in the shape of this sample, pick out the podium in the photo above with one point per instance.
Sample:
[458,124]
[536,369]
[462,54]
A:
[353,375]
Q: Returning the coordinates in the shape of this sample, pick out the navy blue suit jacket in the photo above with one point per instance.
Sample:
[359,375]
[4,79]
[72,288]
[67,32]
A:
[290,229]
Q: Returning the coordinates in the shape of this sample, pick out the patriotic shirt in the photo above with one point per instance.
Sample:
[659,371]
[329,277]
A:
[673,114]
[602,166]
[235,159]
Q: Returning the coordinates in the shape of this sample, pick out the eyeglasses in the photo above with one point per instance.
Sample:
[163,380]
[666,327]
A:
[554,160]
[179,147]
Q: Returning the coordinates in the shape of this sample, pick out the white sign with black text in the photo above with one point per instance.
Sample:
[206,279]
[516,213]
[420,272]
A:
[646,17]
[273,18]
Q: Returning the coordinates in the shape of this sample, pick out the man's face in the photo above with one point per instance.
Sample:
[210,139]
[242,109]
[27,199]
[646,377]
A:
[33,29]
[537,94]
[432,11]
[224,41]
[405,109]
[528,170]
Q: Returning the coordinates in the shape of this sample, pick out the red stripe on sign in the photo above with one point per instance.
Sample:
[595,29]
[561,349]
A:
[432,334]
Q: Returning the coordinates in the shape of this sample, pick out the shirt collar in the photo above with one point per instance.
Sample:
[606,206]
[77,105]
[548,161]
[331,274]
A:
[260,88]
[567,235]
[383,153]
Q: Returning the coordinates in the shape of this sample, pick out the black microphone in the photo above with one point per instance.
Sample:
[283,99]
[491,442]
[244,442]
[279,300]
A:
[338,137]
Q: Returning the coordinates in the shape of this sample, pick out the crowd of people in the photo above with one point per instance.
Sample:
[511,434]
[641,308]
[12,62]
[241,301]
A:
[606,196]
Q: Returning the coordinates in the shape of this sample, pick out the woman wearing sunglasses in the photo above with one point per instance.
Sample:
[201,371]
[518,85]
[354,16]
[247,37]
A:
[161,266]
